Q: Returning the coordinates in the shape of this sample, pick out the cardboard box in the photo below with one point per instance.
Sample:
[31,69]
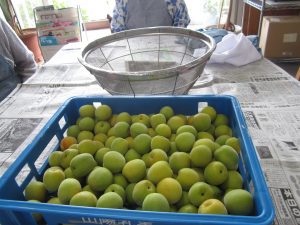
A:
[280,37]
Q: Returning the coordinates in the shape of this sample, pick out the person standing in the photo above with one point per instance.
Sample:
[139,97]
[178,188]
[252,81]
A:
[131,14]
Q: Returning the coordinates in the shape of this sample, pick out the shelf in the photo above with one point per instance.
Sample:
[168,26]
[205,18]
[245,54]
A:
[57,27]
[257,4]
[272,5]
[255,10]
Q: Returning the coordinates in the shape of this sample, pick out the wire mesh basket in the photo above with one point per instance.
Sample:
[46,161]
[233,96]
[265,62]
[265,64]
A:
[148,61]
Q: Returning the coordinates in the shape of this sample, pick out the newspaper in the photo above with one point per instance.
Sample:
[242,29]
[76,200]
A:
[268,97]
[47,99]
[63,73]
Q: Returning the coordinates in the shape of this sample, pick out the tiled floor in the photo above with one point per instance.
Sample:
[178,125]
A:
[290,67]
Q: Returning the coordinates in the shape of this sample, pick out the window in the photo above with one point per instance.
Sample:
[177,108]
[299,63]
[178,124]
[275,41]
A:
[202,12]
[205,13]
[24,11]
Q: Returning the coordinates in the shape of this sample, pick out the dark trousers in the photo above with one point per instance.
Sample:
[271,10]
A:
[8,78]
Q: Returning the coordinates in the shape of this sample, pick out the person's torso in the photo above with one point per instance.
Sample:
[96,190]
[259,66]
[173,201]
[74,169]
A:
[147,13]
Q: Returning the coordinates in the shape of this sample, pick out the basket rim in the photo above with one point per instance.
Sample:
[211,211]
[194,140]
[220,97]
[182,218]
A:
[208,40]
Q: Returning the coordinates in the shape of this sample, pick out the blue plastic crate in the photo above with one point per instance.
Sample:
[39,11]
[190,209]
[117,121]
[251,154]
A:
[15,211]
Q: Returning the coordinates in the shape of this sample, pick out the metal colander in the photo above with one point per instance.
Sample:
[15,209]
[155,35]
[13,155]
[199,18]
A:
[148,61]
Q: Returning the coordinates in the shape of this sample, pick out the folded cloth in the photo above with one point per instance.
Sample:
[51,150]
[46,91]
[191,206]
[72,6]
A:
[254,40]
[216,33]
[235,49]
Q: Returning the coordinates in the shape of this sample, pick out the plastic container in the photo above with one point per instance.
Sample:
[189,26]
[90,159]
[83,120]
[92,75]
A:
[15,211]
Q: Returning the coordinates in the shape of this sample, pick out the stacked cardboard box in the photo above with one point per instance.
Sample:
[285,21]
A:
[280,37]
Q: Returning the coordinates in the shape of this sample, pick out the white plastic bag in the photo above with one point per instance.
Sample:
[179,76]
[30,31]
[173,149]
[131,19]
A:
[235,49]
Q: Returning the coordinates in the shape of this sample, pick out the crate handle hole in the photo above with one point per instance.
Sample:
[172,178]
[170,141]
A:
[201,105]
[23,175]
[42,161]
[62,122]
